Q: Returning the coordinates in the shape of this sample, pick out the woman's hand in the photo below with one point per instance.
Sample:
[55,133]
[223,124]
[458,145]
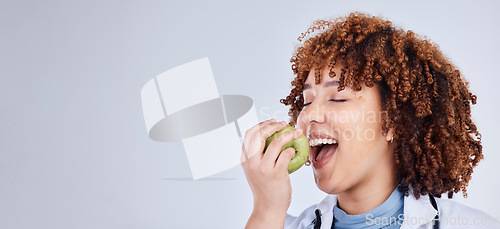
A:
[267,173]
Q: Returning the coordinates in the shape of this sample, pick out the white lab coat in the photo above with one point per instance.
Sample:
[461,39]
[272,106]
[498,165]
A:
[418,214]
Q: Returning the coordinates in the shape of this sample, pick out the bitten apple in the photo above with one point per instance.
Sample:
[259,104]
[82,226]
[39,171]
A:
[301,146]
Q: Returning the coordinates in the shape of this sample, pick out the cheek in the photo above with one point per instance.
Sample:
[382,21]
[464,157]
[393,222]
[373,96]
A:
[300,122]
[363,145]
[365,132]
[359,125]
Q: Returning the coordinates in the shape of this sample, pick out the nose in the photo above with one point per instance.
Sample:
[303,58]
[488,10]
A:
[314,113]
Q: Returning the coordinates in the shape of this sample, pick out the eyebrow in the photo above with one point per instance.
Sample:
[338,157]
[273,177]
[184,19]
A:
[330,83]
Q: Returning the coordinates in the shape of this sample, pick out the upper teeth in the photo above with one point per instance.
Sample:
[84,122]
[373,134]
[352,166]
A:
[315,142]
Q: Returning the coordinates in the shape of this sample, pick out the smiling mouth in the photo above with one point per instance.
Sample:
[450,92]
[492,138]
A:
[322,147]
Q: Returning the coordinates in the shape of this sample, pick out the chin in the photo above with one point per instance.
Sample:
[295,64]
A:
[328,189]
[326,184]
[331,184]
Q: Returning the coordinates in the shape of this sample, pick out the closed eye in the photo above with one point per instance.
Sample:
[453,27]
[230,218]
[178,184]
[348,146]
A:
[333,100]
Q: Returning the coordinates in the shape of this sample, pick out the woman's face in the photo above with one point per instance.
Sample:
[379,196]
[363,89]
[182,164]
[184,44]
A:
[353,120]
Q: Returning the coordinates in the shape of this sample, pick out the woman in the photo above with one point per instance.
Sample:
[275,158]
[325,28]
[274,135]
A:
[388,120]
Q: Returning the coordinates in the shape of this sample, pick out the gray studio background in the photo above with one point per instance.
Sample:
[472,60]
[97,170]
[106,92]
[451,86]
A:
[74,152]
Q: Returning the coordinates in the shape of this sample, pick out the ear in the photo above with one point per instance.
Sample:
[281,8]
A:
[390,135]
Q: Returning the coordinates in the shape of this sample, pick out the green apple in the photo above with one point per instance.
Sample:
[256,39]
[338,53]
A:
[301,146]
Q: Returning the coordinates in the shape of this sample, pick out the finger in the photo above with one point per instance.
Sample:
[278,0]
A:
[284,159]
[274,149]
[247,142]
[249,133]
[260,136]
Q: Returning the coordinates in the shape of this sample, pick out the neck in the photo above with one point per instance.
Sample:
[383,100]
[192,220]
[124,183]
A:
[370,193]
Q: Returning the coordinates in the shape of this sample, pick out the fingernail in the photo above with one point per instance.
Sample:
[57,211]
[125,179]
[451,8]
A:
[273,120]
[299,130]
[283,122]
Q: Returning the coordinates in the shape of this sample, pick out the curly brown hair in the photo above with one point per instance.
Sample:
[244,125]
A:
[427,100]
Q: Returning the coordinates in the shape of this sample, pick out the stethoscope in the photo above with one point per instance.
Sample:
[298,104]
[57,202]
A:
[435,221]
